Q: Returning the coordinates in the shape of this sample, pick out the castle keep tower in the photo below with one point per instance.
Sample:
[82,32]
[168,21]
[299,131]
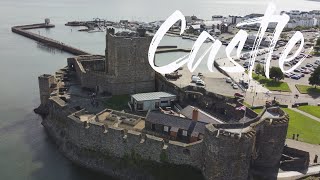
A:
[127,62]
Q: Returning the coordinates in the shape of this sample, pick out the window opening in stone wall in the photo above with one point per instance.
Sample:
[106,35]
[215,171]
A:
[166,129]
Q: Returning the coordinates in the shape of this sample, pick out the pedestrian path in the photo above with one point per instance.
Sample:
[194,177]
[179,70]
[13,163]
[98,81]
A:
[291,175]
[306,114]
[313,150]
[254,85]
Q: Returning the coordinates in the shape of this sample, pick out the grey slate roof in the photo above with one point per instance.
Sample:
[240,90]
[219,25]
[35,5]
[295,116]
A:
[176,122]
[168,120]
[199,128]
[152,96]
[203,116]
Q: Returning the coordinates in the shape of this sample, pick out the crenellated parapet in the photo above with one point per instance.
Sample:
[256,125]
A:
[120,142]
[227,150]
[269,142]
[227,153]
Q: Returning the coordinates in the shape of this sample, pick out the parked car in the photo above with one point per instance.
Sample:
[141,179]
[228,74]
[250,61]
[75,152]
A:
[195,78]
[235,86]
[228,80]
[306,71]
[287,64]
[262,61]
[287,75]
[238,95]
[200,83]
[296,77]
[297,70]
[309,65]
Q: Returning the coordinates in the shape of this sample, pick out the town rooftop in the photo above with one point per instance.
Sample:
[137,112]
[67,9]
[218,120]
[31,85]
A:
[151,96]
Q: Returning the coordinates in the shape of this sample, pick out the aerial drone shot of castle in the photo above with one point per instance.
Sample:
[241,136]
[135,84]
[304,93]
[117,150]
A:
[160,125]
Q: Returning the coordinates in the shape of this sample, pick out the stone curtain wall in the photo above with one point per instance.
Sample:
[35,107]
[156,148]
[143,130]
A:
[224,156]
[118,142]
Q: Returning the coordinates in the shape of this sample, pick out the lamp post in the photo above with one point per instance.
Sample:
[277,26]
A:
[252,101]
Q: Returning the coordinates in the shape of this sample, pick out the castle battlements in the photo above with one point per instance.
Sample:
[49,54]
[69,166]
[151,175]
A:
[212,136]
[119,133]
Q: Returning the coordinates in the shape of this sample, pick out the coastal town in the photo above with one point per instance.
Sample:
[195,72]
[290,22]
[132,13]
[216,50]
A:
[114,114]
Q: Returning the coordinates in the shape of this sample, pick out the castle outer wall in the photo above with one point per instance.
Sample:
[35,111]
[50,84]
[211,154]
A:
[222,154]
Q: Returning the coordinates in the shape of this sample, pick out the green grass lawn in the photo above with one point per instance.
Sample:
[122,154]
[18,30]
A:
[313,110]
[307,128]
[257,110]
[271,84]
[246,104]
[304,89]
[119,102]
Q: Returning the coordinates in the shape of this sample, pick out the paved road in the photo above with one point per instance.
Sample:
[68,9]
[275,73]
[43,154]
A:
[282,97]
[215,81]
[291,175]
[237,76]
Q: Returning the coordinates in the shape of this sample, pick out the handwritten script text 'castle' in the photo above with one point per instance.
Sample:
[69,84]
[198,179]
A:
[239,38]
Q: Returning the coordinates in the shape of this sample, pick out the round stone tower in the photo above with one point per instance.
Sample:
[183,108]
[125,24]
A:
[270,139]
[227,153]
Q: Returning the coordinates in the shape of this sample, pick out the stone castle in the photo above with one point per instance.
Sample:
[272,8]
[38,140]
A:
[123,70]
[99,138]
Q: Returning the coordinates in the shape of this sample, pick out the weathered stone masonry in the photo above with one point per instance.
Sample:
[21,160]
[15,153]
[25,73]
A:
[221,155]
[231,150]
[124,69]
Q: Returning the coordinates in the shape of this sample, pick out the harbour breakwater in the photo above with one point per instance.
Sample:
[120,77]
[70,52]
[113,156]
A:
[23,30]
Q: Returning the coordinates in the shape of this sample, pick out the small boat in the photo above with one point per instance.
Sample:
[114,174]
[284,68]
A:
[185,37]
[208,40]
[100,29]
[193,38]
[224,43]
[95,30]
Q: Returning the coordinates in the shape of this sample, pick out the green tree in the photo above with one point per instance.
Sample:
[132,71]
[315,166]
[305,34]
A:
[276,73]
[314,79]
[284,36]
[259,69]
[316,49]
[318,42]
